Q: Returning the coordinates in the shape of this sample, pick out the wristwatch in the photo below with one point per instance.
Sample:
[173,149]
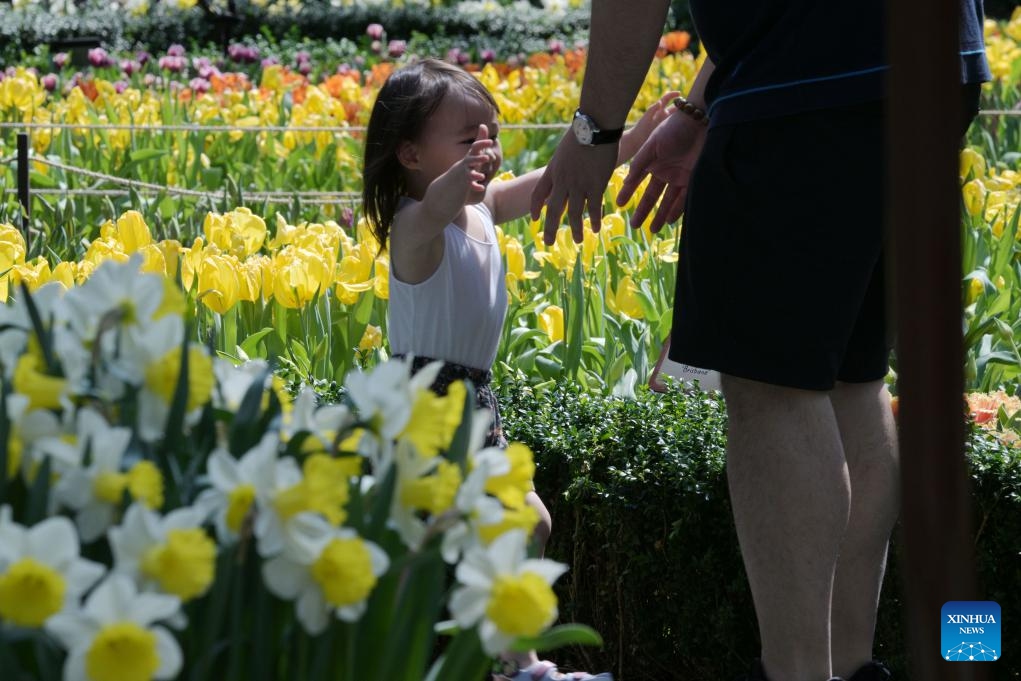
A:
[588,133]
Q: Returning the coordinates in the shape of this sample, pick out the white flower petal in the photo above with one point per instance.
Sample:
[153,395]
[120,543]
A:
[468,605]
[380,560]
[54,541]
[223,470]
[72,629]
[312,611]
[352,613]
[93,520]
[169,653]
[210,503]
[493,640]
[74,666]
[550,570]
[283,577]
[74,489]
[82,575]
[474,574]
[508,550]
[147,608]
[183,518]
[111,600]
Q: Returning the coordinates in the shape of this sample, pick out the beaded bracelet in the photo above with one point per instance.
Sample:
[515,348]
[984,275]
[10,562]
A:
[690,109]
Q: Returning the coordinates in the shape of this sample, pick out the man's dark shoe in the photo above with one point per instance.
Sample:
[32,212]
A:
[873,671]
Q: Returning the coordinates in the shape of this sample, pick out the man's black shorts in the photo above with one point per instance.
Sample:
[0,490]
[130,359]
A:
[780,275]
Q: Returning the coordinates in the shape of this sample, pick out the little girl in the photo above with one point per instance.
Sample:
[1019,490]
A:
[430,153]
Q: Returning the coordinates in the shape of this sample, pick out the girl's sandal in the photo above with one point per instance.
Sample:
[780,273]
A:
[545,670]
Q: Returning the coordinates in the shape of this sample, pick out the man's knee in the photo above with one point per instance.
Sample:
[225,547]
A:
[744,396]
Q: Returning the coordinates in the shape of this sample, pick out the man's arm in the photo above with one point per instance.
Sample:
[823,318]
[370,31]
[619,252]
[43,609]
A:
[623,38]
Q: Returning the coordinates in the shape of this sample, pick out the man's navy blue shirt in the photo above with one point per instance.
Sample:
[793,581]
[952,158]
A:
[777,57]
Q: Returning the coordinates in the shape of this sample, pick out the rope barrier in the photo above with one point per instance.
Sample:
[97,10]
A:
[185,127]
[337,130]
[271,196]
[120,193]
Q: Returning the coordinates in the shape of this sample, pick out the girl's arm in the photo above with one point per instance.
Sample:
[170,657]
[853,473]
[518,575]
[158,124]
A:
[444,198]
[416,246]
[512,199]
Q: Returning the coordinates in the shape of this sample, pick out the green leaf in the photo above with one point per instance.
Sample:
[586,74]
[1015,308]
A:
[245,431]
[148,153]
[37,179]
[463,659]
[5,438]
[251,344]
[458,451]
[575,321]
[39,494]
[560,636]
[410,641]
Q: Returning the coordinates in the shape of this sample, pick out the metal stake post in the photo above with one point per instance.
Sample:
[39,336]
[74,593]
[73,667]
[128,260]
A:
[24,196]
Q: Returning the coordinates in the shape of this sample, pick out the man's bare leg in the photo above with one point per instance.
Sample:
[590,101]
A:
[869,438]
[791,497]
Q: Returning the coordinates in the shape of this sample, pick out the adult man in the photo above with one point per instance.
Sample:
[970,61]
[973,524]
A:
[780,285]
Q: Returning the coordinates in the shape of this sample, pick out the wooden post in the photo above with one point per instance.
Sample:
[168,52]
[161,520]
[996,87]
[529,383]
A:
[24,195]
[924,216]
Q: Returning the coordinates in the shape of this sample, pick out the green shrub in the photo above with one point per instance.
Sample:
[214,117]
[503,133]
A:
[640,509]
[506,31]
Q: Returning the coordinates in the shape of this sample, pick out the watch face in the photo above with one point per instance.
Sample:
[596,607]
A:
[582,127]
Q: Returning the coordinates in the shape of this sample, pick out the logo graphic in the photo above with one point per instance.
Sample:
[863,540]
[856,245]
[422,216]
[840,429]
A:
[970,631]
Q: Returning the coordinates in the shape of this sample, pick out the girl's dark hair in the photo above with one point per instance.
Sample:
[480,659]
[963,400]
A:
[403,106]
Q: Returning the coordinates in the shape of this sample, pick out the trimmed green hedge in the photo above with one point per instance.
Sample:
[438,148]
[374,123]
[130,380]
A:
[640,510]
[509,32]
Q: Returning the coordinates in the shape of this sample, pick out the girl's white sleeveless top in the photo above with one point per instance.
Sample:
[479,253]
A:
[456,314]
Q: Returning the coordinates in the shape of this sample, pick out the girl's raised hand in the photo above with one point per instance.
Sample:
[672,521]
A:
[634,138]
[467,175]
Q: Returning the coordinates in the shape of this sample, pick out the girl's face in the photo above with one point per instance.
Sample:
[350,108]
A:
[448,135]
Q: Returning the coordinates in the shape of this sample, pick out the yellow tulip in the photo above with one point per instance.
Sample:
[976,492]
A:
[972,163]
[562,254]
[975,289]
[171,250]
[381,282]
[974,196]
[299,276]
[624,300]
[551,322]
[65,272]
[250,278]
[218,283]
[371,339]
[191,259]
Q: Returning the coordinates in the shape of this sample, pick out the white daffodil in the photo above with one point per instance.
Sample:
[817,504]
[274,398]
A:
[505,593]
[384,396]
[511,472]
[16,324]
[271,521]
[172,554]
[160,367]
[427,487]
[41,571]
[235,486]
[326,570]
[113,637]
[321,422]
[233,382]
[96,491]
[110,321]
[116,293]
[475,509]
[45,435]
